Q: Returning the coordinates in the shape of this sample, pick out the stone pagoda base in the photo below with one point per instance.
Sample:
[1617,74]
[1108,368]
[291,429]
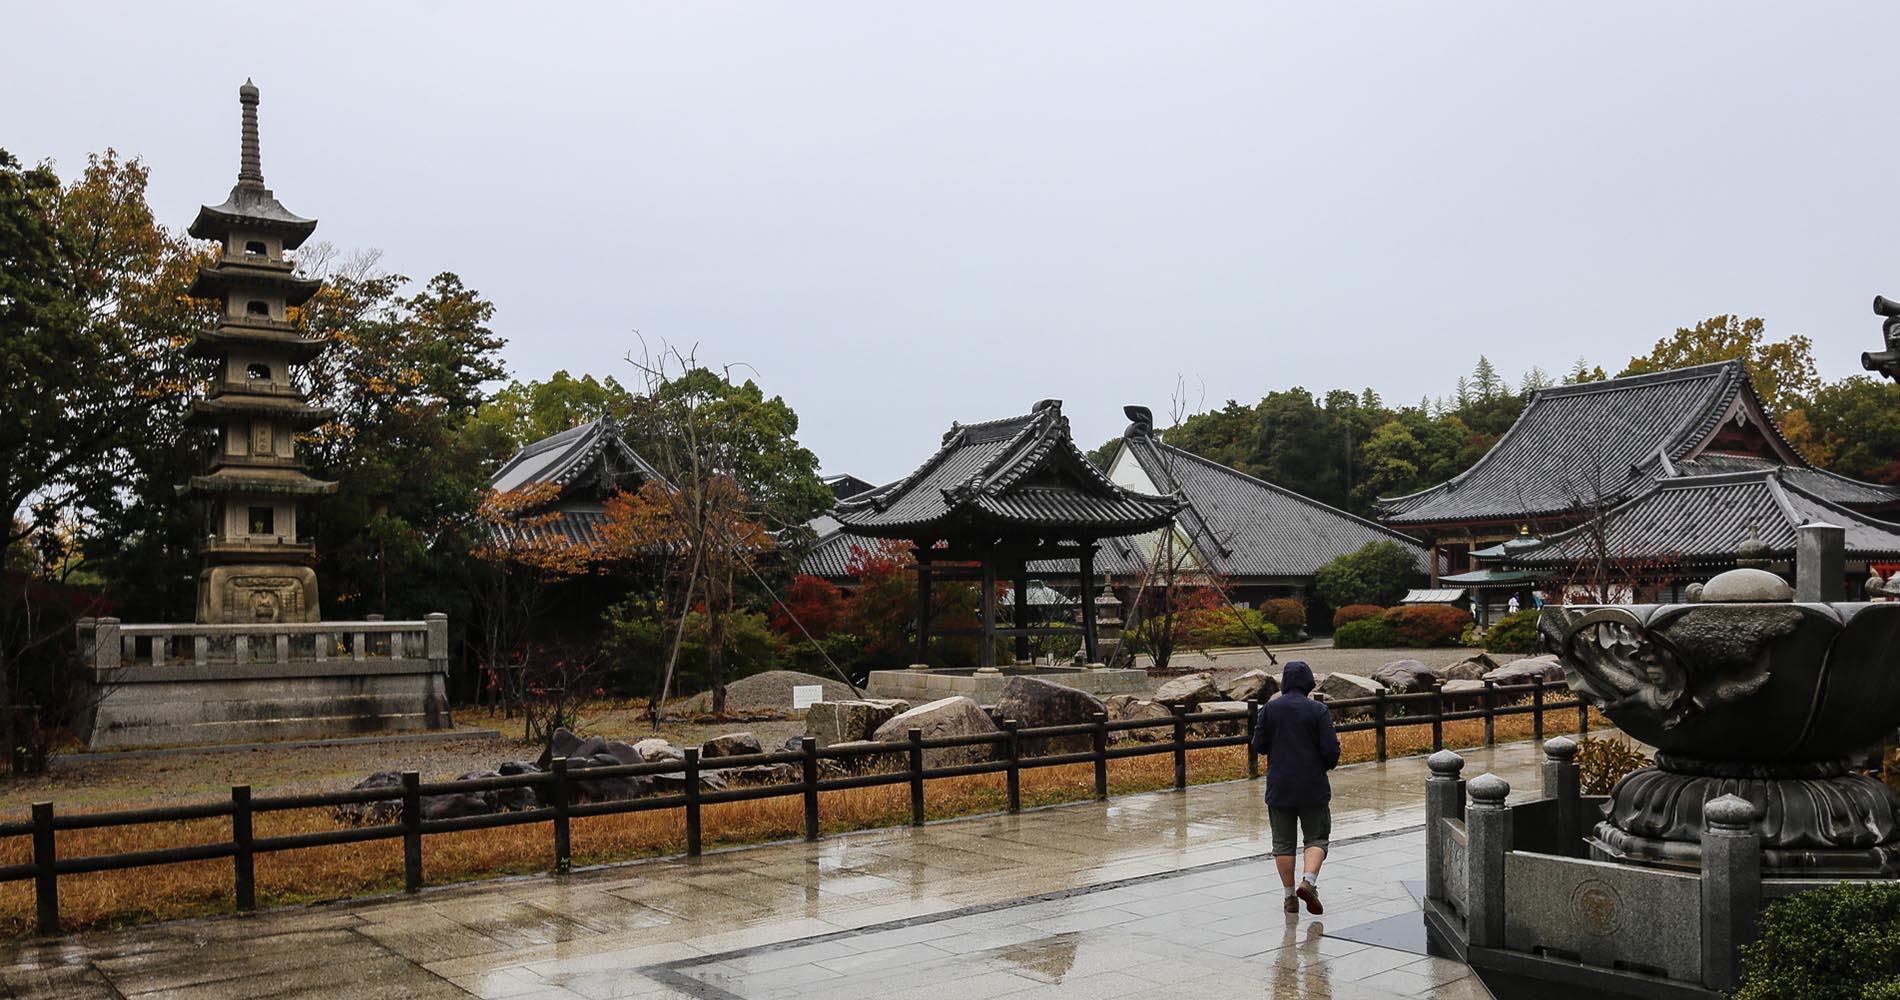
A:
[264,593]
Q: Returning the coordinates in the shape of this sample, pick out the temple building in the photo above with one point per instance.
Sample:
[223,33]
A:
[1260,540]
[256,568]
[996,499]
[1579,450]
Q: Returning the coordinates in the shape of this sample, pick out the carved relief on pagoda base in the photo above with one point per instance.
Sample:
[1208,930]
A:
[241,594]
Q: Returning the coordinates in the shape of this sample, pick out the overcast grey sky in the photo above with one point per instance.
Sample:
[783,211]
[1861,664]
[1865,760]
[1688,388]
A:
[902,214]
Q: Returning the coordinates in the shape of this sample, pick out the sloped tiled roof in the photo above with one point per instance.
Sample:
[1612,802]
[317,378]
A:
[1244,526]
[1597,440]
[1018,473]
[563,458]
[1705,519]
[576,524]
[1820,482]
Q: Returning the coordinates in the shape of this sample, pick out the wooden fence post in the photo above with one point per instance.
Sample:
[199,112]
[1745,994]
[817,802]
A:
[46,881]
[1180,746]
[809,747]
[1099,744]
[693,844]
[916,765]
[1438,721]
[1490,713]
[1014,744]
[563,841]
[1253,717]
[411,831]
[1537,712]
[243,863]
[1378,724]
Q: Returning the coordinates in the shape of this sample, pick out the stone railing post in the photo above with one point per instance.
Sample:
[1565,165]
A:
[1563,782]
[1444,799]
[1731,887]
[438,641]
[99,643]
[1820,563]
[1488,825]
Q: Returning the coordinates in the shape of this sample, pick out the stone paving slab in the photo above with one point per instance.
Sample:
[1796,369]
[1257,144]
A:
[1166,889]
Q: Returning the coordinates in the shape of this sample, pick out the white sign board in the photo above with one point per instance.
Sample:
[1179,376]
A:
[805,696]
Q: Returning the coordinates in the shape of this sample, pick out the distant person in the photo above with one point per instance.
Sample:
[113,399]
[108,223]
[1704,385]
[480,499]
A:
[1511,606]
[1295,734]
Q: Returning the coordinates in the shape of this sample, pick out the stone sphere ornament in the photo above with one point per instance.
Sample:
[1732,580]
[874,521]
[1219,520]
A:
[1744,693]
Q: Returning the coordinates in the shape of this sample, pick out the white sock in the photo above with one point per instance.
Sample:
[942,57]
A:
[1312,879]
[1288,888]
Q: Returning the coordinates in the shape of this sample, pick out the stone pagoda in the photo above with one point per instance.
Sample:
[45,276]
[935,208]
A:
[256,569]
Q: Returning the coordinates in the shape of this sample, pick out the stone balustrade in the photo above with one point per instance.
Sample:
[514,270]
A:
[186,684]
[1512,886]
[107,644]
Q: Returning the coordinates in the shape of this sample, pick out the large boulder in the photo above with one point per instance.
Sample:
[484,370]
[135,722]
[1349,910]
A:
[943,719]
[763,774]
[1529,670]
[463,803]
[1344,687]
[848,721]
[771,691]
[1034,702]
[625,753]
[379,811]
[565,743]
[731,745]
[1189,690]
[1405,676]
[1462,693]
[516,799]
[1127,707]
[1220,727]
[709,781]
[1254,685]
[867,763]
[1471,668]
[656,749]
[607,789]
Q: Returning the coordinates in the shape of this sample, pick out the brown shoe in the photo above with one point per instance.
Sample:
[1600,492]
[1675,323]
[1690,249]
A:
[1292,904]
[1310,892]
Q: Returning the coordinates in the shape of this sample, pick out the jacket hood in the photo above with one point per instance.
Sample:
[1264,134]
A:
[1297,677]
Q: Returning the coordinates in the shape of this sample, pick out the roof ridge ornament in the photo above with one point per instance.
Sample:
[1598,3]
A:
[1141,421]
[250,161]
[1886,362]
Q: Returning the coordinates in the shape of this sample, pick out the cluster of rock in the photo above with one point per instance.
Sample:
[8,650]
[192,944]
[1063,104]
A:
[583,754]
[1462,683]
[1198,692]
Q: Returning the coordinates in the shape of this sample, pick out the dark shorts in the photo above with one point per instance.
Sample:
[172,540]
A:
[1316,822]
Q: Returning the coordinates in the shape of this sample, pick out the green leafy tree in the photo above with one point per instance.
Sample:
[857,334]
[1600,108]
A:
[1377,573]
[1229,435]
[1782,371]
[525,412]
[1851,427]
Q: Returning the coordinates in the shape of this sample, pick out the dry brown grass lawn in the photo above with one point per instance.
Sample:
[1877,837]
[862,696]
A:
[105,899]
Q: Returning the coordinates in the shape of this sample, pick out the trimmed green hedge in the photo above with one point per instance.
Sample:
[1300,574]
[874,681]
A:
[1513,633]
[1841,942]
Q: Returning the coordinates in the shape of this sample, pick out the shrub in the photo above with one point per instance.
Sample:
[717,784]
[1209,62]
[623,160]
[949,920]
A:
[1356,612]
[1205,628]
[1603,763]
[1378,573]
[1367,633]
[1427,624]
[1840,940]
[1287,614]
[1513,633]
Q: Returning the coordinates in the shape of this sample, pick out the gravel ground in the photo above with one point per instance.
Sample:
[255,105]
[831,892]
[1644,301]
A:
[142,779]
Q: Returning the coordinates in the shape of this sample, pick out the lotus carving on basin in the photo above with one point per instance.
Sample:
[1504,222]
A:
[1763,699]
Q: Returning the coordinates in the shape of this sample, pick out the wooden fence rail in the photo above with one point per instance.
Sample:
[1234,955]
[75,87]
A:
[558,785]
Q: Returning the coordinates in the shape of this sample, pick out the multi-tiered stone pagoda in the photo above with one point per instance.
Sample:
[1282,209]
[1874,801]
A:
[256,569]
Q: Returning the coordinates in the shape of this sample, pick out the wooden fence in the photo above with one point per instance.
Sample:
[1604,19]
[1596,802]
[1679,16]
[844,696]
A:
[557,786]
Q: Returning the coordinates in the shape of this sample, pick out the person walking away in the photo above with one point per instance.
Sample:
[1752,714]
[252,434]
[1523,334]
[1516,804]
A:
[1295,734]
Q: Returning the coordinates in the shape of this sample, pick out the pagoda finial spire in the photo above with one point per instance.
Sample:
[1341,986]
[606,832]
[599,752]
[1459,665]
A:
[250,167]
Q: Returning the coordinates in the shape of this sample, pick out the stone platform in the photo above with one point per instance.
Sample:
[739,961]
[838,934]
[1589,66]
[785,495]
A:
[985,686]
[186,685]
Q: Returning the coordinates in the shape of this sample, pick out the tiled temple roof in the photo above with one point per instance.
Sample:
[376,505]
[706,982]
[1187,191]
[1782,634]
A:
[1021,474]
[1705,519]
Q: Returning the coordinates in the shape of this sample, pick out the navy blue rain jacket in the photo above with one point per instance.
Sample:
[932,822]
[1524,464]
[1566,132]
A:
[1295,734]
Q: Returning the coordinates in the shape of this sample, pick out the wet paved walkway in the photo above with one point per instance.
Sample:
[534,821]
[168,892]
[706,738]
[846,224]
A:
[1163,894]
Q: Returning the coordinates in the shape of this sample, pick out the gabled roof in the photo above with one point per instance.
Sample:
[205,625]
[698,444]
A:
[570,457]
[1590,442]
[1244,526]
[1021,473]
[1820,482]
[1705,519]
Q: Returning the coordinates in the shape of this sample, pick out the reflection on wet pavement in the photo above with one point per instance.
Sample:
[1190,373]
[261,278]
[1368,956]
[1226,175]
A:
[1088,900]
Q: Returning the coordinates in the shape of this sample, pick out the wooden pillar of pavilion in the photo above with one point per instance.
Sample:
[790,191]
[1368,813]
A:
[989,613]
[1021,583]
[924,610]
[1087,574]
